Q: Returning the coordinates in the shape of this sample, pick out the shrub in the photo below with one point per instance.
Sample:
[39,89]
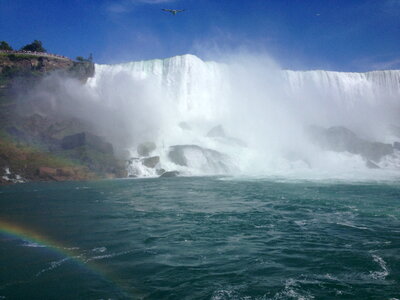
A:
[35,46]
[5,46]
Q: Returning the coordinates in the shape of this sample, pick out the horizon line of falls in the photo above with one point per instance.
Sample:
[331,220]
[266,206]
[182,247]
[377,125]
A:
[248,117]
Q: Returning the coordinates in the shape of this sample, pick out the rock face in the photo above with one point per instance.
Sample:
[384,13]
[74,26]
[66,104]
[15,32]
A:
[217,131]
[37,143]
[206,160]
[341,139]
[86,139]
[170,174]
[40,63]
[8,177]
[371,165]
[145,149]
[151,162]
[63,174]
[14,65]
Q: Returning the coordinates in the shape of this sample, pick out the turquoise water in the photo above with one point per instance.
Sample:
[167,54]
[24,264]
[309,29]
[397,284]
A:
[202,238]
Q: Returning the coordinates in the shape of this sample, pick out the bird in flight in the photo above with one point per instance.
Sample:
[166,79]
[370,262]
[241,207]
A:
[173,11]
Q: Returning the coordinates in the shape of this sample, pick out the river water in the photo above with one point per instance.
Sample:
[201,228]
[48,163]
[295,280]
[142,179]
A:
[200,238]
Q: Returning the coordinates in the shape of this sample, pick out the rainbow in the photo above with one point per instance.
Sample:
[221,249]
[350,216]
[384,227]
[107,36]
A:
[69,253]
[32,237]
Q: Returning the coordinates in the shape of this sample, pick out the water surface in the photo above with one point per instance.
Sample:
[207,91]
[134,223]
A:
[201,238]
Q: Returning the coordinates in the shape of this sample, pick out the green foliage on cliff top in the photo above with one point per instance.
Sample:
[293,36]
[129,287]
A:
[5,46]
[35,46]
[18,56]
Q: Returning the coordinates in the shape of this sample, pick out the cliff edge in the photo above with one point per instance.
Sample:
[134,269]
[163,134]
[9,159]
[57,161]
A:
[47,147]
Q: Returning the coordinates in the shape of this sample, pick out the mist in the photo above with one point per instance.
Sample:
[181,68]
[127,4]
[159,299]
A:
[264,112]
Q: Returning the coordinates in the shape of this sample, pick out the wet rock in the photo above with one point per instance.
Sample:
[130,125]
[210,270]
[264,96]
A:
[45,172]
[65,172]
[170,174]
[177,155]
[145,149]
[341,139]
[160,171]
[372,165]
[86,139]
[151,162]
[207,160]
[217,131]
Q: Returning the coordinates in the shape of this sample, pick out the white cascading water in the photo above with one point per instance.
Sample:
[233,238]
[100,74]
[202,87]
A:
[246,116]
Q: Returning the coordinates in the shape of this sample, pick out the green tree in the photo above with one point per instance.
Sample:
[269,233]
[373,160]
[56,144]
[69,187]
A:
[34,46]
[5,46]
[80,58]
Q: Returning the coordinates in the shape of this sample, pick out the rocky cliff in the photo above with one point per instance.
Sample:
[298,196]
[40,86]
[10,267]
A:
[44,146]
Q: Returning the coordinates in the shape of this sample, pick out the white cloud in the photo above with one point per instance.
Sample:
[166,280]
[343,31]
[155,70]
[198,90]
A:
[378,62]
[387,65]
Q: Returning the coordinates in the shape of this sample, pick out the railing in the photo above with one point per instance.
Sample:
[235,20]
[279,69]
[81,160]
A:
[35,53]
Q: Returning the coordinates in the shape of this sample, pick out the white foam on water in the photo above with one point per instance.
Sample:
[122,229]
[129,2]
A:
[105,256]
[292,291]
[32,245]
[347,224]
[380,275]
[53,265]
[99,249]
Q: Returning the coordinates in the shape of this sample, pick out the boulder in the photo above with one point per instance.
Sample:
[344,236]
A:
[160,171]
[207,160]
[217,131]
[146,148]
[151,162]
[177,156]
[341,139]
[170,174]
[371,165]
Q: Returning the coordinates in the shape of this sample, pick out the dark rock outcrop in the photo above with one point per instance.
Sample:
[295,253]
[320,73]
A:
[146,148]
[217,131]
[371,165]
[86,139]
[151,162]
[38,143]
[170,174]
[160,171]
[212,160]
[341,139]
[32,66]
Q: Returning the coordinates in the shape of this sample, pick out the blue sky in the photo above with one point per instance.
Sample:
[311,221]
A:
[343,35]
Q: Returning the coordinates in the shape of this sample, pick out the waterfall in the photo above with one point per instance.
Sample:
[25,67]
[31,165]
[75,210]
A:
[260,111]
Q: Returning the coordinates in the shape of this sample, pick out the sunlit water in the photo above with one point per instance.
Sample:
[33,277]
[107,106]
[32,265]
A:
[202,238]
